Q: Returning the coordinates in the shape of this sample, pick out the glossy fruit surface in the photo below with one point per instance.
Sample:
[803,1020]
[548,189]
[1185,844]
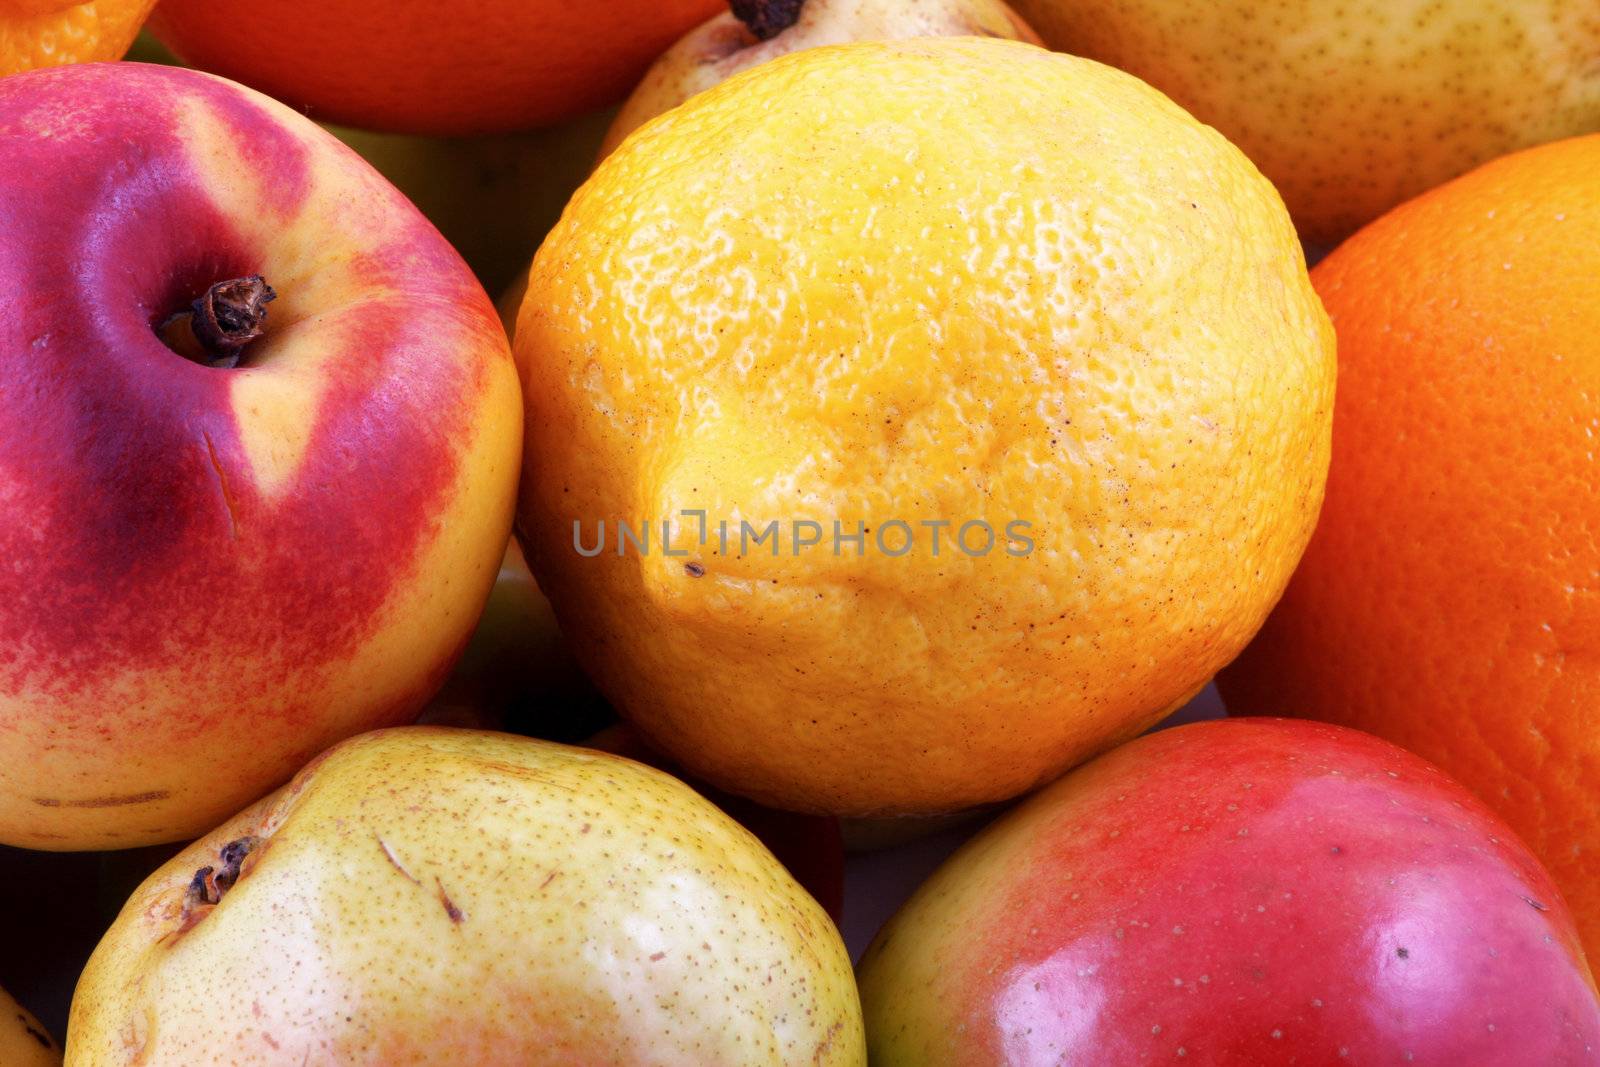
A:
[413,66]
[1237,892]
[212,574]
[944,280]
[45,33]
[1450,600]
[1353,107]
[425,896]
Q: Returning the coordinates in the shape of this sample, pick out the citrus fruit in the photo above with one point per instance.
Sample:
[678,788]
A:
[1450,600]
[997,381]
[477,66]
[43,33]
[1354,107]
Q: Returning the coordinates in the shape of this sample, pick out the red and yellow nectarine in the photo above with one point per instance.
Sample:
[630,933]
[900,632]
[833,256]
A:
[211,574]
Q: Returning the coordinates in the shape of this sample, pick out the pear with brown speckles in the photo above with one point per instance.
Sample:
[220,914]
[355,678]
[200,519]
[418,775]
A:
[422,896]
[1354,107]
[754,31]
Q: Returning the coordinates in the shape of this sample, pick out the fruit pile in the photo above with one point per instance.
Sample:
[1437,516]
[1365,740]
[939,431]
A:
[893,412]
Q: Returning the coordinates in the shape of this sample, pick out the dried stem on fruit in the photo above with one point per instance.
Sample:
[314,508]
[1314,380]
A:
[210,883]
[767,18]
[230,315]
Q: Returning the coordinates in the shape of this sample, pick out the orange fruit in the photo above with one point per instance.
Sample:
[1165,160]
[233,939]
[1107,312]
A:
[1450,600]
[890,285]
[414,66]
[44,33]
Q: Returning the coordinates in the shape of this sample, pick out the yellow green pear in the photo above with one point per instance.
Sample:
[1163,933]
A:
[1353,107]
[753,31]
[427,896]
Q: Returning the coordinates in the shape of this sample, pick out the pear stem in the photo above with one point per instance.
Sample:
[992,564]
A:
[209,884]
[767,18]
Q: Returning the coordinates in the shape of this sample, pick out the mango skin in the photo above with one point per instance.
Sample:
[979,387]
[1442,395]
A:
[1239,891]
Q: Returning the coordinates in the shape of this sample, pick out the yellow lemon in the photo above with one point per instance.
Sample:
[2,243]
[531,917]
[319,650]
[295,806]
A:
[983,392]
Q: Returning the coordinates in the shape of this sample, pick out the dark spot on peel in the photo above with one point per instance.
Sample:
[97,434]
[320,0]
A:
[450,909]
[694,570]
[765,19]
[34,1032]
[1535,905]
[827,1040]
[1403,953]
[104,802]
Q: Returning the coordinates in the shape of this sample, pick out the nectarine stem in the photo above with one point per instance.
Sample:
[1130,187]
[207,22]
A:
[226,318]
[767,18]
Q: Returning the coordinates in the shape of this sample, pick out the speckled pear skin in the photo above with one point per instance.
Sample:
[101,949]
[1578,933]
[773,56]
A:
[1354,107]
[723,46]
[427,895]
